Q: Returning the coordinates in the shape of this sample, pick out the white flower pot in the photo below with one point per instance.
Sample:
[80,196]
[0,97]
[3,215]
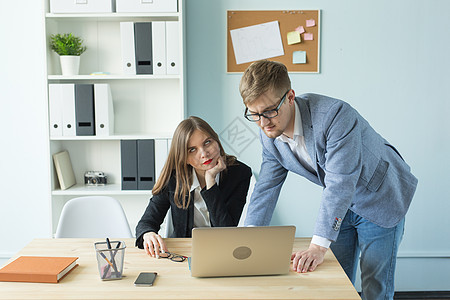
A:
[70,64]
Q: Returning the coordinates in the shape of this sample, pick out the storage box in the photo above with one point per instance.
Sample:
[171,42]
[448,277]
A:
[82,6]
[134,6]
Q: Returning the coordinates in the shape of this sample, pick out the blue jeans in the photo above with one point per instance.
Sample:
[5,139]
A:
[378,247]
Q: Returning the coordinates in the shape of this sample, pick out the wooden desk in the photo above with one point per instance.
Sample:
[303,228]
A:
[174,280]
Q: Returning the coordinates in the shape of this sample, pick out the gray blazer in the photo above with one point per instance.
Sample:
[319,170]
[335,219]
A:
[357,168]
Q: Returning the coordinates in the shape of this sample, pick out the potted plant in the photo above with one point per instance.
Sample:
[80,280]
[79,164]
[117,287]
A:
[69,48]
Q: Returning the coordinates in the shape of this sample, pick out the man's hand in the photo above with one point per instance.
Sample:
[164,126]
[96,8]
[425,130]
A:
[308,260]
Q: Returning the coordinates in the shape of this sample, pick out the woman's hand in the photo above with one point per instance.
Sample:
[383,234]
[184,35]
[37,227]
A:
[210,175]
[154,244]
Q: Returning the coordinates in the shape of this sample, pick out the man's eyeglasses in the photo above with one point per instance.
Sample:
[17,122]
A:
[173,256]
[269,114]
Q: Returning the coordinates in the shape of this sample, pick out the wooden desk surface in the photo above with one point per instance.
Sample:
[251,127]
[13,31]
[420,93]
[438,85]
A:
[174,280]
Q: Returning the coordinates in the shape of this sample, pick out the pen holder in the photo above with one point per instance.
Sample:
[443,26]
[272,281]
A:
[110,260]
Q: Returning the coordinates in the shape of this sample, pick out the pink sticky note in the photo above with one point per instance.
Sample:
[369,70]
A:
[308,36]
[310,23]
[300,29]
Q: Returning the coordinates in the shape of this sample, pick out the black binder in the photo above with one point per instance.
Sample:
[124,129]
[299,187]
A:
[143,47]
[146,164]
[128,156]
[84,109]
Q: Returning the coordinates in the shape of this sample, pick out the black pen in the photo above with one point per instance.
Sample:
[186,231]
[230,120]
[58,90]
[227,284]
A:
[108,243]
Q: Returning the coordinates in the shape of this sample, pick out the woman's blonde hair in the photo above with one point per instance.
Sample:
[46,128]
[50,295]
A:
[262,76]
[177,160]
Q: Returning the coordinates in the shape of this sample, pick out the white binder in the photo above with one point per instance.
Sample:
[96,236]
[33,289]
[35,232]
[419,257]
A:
[68,111]
[159,48]
[173,47]
[55,109]
[161,153]
[104,110]
[128,48]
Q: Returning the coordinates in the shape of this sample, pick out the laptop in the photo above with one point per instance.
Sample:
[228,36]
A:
[241,251]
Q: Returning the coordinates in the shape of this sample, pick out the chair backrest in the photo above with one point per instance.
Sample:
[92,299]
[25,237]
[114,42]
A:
[93,217]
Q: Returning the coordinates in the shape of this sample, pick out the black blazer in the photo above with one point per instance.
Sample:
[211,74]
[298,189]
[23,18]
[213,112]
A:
[225,203]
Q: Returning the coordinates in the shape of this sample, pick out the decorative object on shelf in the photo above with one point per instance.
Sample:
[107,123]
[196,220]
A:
[64,169]
[95,178]
[69,48]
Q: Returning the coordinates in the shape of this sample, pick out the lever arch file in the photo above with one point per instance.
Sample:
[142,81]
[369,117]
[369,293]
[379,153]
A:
[127,43]
[159,48]
[84,109]
[161,153]
[173,47]
[68,112]
[146,164]
[55,96]
[104,110]
[143,47]
[128,156]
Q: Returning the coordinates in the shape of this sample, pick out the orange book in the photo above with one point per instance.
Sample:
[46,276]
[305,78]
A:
[38,269]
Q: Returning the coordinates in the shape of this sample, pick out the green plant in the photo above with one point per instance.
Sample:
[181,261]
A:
[67,44]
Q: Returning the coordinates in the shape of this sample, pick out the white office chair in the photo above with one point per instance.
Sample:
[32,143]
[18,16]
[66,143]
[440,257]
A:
[93,217]
[167,225]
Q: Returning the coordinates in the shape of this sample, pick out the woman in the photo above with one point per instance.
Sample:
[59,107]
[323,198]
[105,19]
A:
[203,186]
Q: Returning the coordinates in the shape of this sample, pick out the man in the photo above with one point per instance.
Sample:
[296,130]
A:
[367,186]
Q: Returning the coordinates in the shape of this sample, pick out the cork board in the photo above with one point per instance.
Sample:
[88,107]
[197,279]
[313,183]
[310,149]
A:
[288,21]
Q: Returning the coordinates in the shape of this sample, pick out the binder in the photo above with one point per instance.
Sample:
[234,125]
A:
[128,158]
[173,47]
[127,46]
[104,110]
[159,48]
[143,47]
[84,109]
[68,111]
[55,109]
[146,164]
[161,153]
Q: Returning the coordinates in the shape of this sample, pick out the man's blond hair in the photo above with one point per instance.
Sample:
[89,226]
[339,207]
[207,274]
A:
[262,76]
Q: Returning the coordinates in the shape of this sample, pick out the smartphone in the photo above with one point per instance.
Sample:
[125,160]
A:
[145,279]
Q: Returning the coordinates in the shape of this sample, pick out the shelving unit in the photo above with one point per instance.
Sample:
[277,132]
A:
[145,106]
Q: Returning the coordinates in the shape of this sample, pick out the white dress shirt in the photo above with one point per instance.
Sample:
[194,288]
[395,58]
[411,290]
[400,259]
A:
[201,213]
[298,148]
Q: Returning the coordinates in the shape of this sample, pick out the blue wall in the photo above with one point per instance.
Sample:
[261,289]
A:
[390,60]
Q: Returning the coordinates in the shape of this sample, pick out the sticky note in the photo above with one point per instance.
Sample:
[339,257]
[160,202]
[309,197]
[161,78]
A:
[299,57]
[310,23]
[293,37]
[300,29]
[308,36]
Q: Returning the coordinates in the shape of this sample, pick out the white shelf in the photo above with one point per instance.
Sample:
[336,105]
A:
[112,77]
[109,189]
[113,137]
[116,16]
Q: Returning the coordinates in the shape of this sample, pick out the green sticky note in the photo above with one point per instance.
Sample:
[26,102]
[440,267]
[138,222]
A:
[299,57]
[293,37]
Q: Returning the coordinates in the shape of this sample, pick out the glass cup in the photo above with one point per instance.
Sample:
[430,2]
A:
[110,260]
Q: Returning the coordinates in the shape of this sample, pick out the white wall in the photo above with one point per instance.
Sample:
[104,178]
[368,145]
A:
[24,165]
[390,60]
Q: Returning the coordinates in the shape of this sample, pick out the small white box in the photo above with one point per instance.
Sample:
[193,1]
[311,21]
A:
[81,6]
[134,6]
